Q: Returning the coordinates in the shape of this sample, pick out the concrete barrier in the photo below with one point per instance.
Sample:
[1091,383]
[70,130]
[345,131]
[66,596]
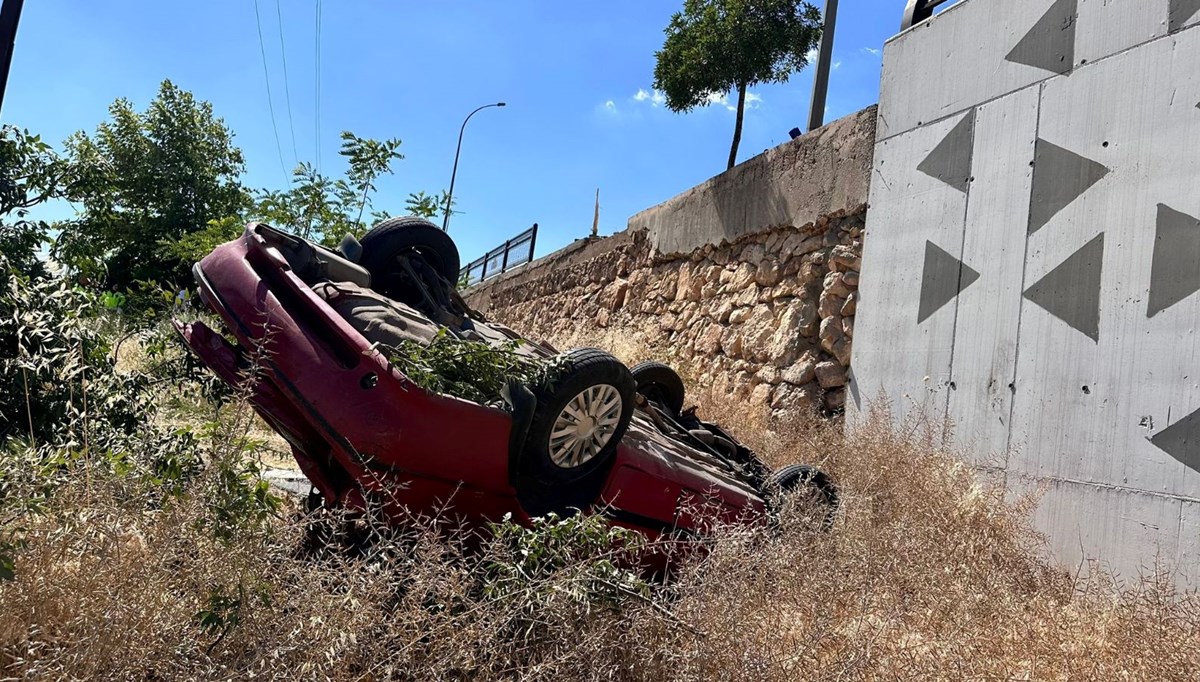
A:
[1032,261]
[824,172]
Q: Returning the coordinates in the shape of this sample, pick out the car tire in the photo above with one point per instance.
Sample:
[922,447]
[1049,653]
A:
[800,477]
[396,236]
[659,383]
[583,410]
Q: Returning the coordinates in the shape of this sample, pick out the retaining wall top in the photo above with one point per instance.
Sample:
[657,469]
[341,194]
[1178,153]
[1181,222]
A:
[823,172]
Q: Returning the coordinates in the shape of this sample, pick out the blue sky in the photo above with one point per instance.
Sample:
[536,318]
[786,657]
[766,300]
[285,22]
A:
[570,72]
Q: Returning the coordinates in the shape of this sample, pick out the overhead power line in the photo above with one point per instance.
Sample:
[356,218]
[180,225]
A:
[270,100]
[287,89]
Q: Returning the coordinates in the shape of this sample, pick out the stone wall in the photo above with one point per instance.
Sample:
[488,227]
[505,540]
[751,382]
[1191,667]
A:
[750,303]
[767,320]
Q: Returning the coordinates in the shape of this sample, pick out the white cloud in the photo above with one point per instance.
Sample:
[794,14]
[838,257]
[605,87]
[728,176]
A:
[720,98]
[723,99]
[872,51]
[812,55]
[655,97]
[614,110]
[753,101]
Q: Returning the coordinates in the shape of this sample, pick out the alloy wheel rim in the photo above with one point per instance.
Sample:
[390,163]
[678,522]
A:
[585,425]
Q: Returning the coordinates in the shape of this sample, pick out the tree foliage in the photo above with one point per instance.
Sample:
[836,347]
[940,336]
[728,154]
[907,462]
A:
[316,206]
[143,181]
[717,46]
[30,173]
[471,370]
[157,190]
[61,394]
[319,207]
[429,205]
[368,160]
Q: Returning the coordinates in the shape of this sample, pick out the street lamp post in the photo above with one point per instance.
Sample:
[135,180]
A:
[10,15]
[454,173]
[816,113]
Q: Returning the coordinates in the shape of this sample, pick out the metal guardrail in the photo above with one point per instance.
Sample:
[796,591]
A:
[514,252]
[919,10]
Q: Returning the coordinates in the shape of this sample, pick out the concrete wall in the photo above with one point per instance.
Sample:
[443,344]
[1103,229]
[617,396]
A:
[822,173]
[745,283]
[1033,256]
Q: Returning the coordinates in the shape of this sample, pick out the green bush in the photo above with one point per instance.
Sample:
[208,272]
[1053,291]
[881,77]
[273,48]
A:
[60,388]
[67,413]
[30,173]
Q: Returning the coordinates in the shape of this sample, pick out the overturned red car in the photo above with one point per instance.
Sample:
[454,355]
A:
[310,327]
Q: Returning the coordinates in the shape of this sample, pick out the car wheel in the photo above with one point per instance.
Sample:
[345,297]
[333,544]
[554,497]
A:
[808,487]
[659,383]
[583,410]
[395,237]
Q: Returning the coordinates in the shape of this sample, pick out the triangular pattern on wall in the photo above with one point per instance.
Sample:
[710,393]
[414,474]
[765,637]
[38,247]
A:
[1050,44]
[1181,12]
[1181,440]
[942,278]
[1071,291]
[1059,177]
[950,160]
[1175,267]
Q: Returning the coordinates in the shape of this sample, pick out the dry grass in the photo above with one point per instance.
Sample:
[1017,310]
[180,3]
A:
[927,575]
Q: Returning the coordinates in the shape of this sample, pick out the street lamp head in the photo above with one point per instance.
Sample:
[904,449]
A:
[501,104]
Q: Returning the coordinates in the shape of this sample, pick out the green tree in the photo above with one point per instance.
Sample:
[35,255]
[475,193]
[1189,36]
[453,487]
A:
[315,207]
[319,207]
[715,46]
[428,205]
[30,174]
[143,181]
[368,160]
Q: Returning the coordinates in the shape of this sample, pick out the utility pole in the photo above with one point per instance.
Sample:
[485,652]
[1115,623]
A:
[816,114]
[10,14]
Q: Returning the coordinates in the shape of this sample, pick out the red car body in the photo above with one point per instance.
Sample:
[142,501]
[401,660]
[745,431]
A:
[361,430]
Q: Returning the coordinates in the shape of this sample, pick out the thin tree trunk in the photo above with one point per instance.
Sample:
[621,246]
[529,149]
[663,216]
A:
[363,204]
[737,127]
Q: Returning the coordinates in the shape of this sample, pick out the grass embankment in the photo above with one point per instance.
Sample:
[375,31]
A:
[926,575]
